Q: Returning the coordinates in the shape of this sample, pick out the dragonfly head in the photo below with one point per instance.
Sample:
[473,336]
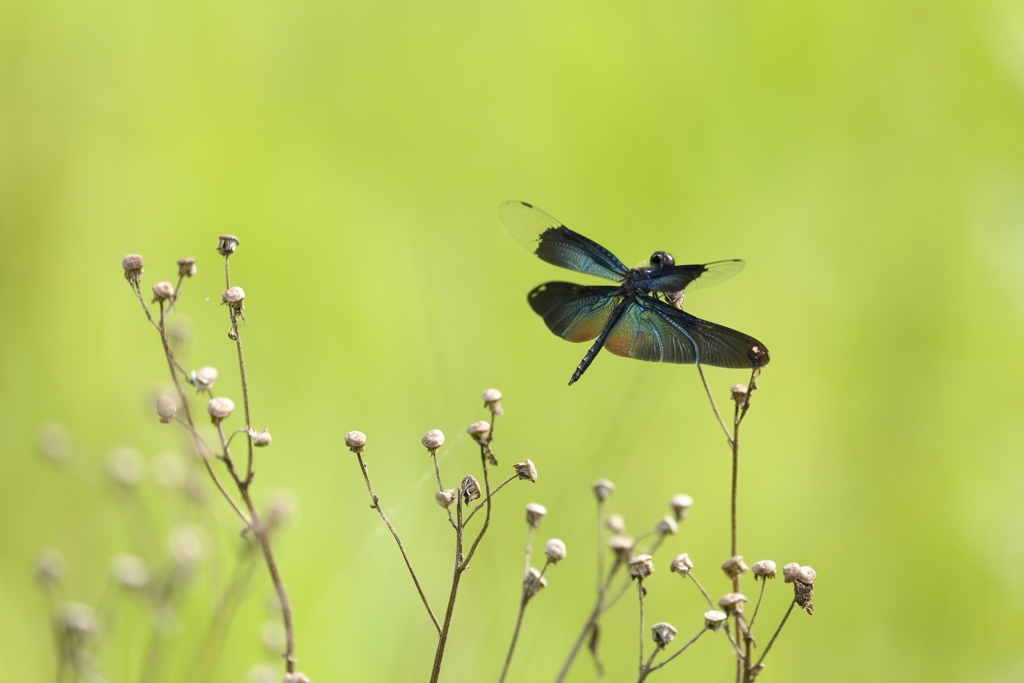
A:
[662,259]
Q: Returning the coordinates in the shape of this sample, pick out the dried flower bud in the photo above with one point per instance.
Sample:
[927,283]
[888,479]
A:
[234,297]
[49,566]
[554,550]
[470,489]
[715,620]
[641,566]
[622,546]
[765,569]
[126,466]
[739,393]
[526,470]
[663,634]
[534,582]
[667,526]
[602,489]
[162,291]
[791,572]
[187,267]
[807,575]
[681,504]
[80,619]
[132,264]
[130,571]
[166,408]
[682,564]
[227,245]
[535,513]
[433,440]
[492,400]
[734,566]
[355,441]
[219,408]
[54,442]
[616,523]
[260,439]
[732,603]
[447,497]
[203,378]
[803,589]
[479,431]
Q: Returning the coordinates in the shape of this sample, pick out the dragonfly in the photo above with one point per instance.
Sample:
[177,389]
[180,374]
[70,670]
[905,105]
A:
[642,316]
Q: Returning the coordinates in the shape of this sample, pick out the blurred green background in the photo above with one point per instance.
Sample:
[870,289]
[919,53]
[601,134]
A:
[866,159]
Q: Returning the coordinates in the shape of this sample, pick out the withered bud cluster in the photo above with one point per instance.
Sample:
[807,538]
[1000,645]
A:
[732,603]
[220,408]
[534,582]
[492,401]
[447,497]
[355,441]
[132,264]
[663,634]
[234,298]
[734,566]
[602,489]
[802,579]
[535,513]
[681,504]
[203,378]
[433,440]
[227,245]
[554,550]
[739,393]
[260,439]
[163,291]
[526,470]
[715,620]
[470,489]
[765,569]
[641,566]
[682,564]
[166,408]
[187,267]
[296,677]
[479,431]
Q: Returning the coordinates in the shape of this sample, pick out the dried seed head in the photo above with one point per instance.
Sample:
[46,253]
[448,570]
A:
[227,245]
[765,569]
[734,566]
[433,440]
[470,489]
[681,504]
[535,513]
[641,566]
[49,566]
[602,489]
[682,564]
[54,442]
[554,550]
[162,291]
[132,264]
[732,603]
[130,571]
[534,582]
[492,400]
[526,470]
[616,523]
[187,267]
[166,408]
[663,634]
[234,297]
[126,466]
[715,620]
[80,619]
[791,572]
[803,590]
[187,547]
[446,498]
[807,575]
[667,526]
[622,546]
[479,431]
[169,470]
[261,438]
[220,407]
[296,677]
[355,441]
[739,393]
[203,378]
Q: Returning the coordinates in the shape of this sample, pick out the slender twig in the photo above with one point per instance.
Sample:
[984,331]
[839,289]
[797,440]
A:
[680,650]
[775,635]
[704,592]
[488,498]
[714,406]
[527,590]
[376,506]
[440,486]
[640,593]
[213,473]
[758,605]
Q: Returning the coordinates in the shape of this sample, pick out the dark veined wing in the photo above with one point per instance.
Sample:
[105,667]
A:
[677,278]
[553,242]
[573,312]
[654,331]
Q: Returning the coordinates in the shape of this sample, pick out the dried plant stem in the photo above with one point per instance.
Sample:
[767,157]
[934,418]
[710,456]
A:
[757,667]
[245,389]
[376,506]
[757,607]
[640,594]
[440,486]
[703,592]
[488,498]
[714,406]
[680,650]
[601,589]
[523,600]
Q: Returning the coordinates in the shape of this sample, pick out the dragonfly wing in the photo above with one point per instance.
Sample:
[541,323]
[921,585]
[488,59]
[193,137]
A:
[573,312]
[654,331]
[678,278]
[553,242]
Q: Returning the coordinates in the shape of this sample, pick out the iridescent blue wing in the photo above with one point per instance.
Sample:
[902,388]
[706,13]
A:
[573,312]
[553,242]
[679,278]
[654,331]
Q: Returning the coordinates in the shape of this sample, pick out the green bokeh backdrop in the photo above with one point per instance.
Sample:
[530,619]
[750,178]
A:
[866,159]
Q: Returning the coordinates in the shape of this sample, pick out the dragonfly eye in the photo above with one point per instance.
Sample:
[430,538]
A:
[662,259]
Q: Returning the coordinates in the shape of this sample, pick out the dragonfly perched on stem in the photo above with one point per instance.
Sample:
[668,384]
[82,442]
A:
[641,317]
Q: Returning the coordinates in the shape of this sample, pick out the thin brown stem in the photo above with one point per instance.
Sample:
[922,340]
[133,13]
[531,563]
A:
[213,473]
[488,498]
[595,614]
[680,650]
[703,592]
[523,601]
[756,668]
[440,486]
[714,406]
[376,506]
[758,605]
[640,594]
